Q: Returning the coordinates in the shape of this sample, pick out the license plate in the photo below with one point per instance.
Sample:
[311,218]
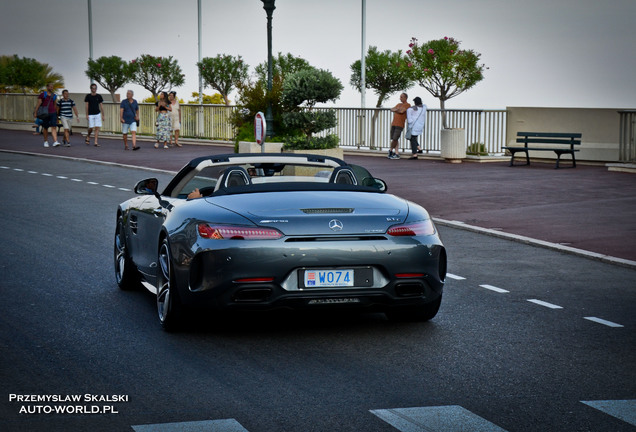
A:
[328,278]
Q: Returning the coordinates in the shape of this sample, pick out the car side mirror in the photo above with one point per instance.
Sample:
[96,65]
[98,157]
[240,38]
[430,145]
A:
[147,187]
[380,185]
[375,183]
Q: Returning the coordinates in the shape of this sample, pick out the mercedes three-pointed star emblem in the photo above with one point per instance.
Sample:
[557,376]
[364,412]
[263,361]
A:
[335,225]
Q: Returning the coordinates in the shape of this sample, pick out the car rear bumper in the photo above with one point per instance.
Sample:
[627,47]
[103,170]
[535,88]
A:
[257,276]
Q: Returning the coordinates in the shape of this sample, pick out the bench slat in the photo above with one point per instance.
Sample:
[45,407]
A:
[554,149]
[550,134]
[548,141]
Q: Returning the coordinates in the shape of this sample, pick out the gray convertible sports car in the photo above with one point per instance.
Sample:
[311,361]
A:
[268,231]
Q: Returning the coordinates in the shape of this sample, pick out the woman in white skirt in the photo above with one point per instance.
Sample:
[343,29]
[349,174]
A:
[175,117]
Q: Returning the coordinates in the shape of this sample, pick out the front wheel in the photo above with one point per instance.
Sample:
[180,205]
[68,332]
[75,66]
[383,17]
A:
[168,305]
[415,313]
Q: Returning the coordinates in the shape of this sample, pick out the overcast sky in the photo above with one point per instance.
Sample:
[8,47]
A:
[551,53]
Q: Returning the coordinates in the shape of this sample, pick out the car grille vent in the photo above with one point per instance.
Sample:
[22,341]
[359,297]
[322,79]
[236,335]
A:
[327,210]
[333,239]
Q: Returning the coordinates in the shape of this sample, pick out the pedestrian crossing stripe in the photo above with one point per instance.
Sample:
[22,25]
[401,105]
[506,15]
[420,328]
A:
[229,425]
[622,409]
[451,418]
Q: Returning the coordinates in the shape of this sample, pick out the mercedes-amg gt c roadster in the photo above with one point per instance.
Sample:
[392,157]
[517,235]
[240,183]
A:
[269,231]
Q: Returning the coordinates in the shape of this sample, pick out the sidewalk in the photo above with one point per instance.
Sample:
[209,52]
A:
[588,208]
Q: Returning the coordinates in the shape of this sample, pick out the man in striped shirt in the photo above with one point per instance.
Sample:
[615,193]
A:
[65,108]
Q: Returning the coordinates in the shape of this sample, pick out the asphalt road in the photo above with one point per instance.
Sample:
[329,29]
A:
[493,354]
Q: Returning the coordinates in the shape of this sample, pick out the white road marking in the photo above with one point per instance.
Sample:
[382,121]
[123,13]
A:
[453,276]
[92,183]
[546,304]
[109,186]
[494,288]
[451,418]
[47,175]
[62,177]
[77,180]
[125,190]
[229,425]
[622,409]
[32,172]
[604,322]
[5,167]
[18,169]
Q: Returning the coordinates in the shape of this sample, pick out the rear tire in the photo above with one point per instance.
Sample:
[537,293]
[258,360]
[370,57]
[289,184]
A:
[125,272]
[168,305]
[415,313]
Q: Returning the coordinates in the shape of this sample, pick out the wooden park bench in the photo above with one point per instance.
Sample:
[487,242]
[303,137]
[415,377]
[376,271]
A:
[563,144]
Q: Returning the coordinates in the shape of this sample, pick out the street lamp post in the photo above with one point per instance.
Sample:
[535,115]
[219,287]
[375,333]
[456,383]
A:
[269,7]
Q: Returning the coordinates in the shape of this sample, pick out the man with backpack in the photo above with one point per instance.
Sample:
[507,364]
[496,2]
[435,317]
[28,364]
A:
[46,105]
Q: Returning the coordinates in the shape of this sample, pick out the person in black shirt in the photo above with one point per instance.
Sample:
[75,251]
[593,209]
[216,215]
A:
[94,113]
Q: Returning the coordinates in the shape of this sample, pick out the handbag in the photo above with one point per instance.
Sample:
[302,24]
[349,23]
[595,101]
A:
[43,112]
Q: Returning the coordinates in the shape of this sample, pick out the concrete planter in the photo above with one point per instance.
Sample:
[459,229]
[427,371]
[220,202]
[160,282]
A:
[334,152]
[252,147]
[453,145]
[307,171]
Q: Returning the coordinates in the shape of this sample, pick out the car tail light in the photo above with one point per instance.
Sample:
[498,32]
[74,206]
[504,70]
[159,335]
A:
[255,280]
[220,232]
[414,229]
[409,275]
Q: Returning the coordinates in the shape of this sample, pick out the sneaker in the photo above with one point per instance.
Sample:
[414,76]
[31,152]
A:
[46,143]
[67,144]
[390,153]
[56,144]
[394,156]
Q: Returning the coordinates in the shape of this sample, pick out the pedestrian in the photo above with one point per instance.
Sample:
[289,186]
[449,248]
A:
[416,117]
[65,109]
[175,117]
[47,99]
[163,120]
[94,114]
[129,116]
[397,125]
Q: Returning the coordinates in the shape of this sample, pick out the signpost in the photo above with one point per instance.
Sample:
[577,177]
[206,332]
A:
[260,128]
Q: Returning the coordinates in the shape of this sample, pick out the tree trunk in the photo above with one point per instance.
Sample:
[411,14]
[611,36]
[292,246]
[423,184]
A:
[442,106]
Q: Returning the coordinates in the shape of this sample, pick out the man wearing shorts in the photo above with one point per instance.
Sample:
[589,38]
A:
[94,114]
[128,115]
[397,125]
[47,99]
[65,108]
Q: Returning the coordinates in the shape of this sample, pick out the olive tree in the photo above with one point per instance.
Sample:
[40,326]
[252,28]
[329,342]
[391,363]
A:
[223,73]
[386,72]
[112,73]
[443,69]
[156,74]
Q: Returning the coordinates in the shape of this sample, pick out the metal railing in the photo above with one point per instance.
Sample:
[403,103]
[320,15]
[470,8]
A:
[370,128]
[627,136]
[357,128]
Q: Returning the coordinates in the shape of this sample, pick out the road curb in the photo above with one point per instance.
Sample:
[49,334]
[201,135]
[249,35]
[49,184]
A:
[535,242]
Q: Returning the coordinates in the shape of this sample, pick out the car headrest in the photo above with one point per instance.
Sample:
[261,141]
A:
[236,176]
[343,175]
